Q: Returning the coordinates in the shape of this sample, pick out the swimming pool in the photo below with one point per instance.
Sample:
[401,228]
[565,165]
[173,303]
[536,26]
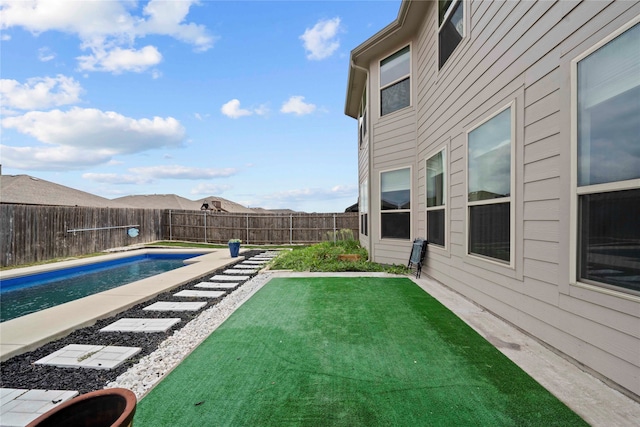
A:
[28,294]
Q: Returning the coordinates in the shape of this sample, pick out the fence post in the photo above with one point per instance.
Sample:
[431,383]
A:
[334,229]
[170,229]
[205,226]
[247,239]
[290,229]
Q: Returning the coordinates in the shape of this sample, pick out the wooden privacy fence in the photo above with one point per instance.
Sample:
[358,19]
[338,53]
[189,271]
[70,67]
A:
[257,229]
[32,233]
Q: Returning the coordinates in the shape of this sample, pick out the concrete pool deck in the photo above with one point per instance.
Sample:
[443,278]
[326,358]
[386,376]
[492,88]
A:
[29,332]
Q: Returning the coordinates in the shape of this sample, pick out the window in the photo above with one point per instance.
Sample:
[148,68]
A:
[395,87]
[607,158]
[364,207]
[489,187]
[395,204]
[451,28]
[436,198]
[362,117]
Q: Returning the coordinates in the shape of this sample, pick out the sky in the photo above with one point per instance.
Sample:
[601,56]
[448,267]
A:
[238,99]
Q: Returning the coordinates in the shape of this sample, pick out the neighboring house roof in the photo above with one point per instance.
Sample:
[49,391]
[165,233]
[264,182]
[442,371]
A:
[226,205]
[29,190]
[410,17]
[160,201]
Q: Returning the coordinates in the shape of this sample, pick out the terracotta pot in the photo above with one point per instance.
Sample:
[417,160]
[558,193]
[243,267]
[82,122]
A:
[112,407]
[349,257]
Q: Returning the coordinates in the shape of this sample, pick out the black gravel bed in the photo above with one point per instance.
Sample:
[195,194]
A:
[20,371]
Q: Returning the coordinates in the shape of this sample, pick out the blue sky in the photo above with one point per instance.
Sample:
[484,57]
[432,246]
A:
[238,99]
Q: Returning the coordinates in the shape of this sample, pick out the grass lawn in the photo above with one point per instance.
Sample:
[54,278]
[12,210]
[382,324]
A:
[348,352]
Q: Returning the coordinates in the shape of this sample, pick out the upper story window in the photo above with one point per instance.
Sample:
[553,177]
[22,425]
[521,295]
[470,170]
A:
[362,117]
[395,81]
[436,198]
[451,28]
[607,152]
[395,204]
[489,187]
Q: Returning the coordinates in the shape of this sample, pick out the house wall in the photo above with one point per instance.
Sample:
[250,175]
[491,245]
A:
[520,53]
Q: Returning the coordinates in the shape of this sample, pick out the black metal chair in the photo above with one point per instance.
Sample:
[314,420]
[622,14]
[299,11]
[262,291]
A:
[418,252]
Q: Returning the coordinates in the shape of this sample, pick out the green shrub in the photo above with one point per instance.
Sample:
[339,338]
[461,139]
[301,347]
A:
[324,257]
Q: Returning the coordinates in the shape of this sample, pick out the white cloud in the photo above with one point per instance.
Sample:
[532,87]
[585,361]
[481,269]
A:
[95,129]
[182,172]
[45,54]
[5,37]
[118,60]
[113,178]
[321,41]
[262,110]
[232,109]
[86,137]
[52,158]
[109,29]
[40,92]
[209,189]
[296,105]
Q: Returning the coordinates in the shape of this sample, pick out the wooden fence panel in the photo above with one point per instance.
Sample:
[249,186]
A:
[33,233]
[297,228]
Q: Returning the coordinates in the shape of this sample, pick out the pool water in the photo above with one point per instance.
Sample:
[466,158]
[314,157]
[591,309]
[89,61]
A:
[23,295]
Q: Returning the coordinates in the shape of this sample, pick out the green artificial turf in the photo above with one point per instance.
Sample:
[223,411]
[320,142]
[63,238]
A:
[348,352]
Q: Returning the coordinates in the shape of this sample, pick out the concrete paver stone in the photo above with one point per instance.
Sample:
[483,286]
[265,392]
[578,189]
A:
[203,294]
[89,356]
[140,325]
[21,406]
[175,306]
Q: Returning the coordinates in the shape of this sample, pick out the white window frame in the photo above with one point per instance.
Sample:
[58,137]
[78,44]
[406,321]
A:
[382,212]
[445,197]
[577,191]
[409,76]
[363,118]
[446,17]
[364,206]
[511,199]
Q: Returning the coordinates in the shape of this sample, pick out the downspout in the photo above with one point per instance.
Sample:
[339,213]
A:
[369,186]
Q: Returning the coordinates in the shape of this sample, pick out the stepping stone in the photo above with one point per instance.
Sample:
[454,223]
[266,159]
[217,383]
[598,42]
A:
[203,294]
[140,325]
[236,271]
[254,262]
[89,356]
[211,285]
[253,267]
[223,278]
[175,306]
[21,406]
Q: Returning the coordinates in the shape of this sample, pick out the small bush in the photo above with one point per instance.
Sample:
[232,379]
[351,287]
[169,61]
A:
[324,257]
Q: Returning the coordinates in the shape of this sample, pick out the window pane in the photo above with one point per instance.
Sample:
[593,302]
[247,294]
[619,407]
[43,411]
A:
[396,225]
[609,248]
[395,66]
[489,230]
[443,6]
[490,159]
[395,189]
[395,97]
[609,112]
[435,227]
[435,180]
[451,33]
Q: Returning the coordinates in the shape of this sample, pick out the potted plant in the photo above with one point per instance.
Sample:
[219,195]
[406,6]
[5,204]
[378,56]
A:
[234,247]
[112,407]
